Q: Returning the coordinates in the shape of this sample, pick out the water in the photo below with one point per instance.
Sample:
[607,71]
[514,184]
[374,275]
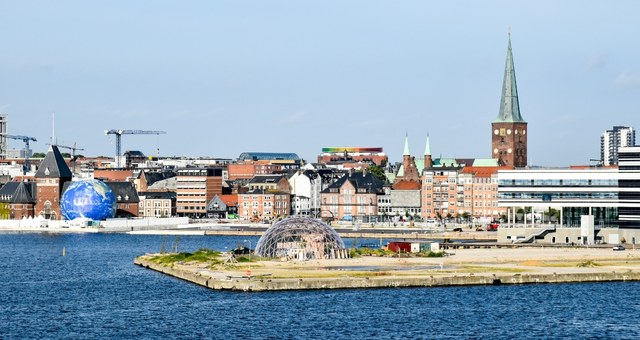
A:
[96,292]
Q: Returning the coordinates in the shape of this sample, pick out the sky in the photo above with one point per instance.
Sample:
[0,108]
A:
[225,77]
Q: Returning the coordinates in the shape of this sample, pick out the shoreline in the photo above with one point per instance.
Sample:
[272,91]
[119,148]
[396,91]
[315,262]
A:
[463,268]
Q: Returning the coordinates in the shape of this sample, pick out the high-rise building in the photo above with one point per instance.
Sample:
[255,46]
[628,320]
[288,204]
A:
[3,137]
[509,130]
[611,140]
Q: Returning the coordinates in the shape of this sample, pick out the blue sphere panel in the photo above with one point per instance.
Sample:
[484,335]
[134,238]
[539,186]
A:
[88,199]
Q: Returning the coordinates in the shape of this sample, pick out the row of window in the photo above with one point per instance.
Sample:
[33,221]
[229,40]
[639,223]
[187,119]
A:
[557,195]
[559,182]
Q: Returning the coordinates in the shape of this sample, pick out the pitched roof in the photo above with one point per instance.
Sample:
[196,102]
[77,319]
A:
[266,179]
[18,192]
[125,192]
[509,104]
[262,191]
[406,185]
[358,180]
[158,195]
[155,176]
[53,165]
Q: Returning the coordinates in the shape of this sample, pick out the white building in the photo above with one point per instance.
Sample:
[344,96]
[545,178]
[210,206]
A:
[306,186]
[595,205]
[611,140]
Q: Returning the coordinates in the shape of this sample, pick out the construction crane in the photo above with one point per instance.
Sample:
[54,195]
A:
[72,148]
[73,153]
[119,134]
[26,140]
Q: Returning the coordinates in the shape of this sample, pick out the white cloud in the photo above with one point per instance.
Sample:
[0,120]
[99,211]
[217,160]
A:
[294,118]
[597,61]
[627,79]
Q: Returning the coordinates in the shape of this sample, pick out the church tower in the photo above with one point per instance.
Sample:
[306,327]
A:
[509,130]
[410,178]
[52,173]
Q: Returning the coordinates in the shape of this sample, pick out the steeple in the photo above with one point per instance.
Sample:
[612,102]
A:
[427,148]
[428,161]
[406,145]
[53,165]
[509,106]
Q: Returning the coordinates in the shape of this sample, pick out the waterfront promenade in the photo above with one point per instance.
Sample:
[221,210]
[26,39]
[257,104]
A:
[182,227]
[458,268]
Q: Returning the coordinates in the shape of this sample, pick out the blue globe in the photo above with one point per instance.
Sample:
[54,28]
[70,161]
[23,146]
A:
[88,199]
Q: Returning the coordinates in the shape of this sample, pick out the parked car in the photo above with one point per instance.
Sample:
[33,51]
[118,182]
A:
[458,229]
[493,226]
[618,247]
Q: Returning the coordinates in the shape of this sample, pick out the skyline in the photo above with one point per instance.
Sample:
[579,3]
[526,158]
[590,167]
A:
[298,77]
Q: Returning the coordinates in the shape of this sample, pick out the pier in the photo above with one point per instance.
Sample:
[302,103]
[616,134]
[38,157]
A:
[465,267]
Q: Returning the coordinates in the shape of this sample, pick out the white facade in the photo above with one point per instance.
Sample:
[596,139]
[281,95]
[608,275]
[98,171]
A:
[612,140]
[305,192]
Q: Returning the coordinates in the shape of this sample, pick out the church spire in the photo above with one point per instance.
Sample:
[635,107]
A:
[406,145]
[509,106]
[427,148]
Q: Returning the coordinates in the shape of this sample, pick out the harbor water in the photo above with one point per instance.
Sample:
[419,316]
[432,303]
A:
[95,291]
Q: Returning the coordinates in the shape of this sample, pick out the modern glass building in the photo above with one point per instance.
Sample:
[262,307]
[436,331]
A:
[572,191]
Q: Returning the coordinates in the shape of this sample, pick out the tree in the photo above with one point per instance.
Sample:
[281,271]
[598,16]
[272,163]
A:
[378,172]
[38,155]
[465,216]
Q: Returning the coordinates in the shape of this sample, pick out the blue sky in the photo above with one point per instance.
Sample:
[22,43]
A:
[223,77]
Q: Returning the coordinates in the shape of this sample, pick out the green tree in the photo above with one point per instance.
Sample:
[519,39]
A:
[465,216]
[38,155]
[378,172]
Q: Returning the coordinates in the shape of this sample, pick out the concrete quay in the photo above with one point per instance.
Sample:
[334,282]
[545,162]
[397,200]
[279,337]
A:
[491,268]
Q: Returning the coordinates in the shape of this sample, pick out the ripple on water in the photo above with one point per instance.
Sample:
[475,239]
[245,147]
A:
[96,292]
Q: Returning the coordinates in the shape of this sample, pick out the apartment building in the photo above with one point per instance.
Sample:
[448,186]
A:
[195,187]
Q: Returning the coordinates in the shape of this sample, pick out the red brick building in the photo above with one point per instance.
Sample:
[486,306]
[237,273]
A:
[17,200]
[51,176]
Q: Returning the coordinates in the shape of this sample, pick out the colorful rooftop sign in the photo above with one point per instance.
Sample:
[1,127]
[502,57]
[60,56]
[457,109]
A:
[350,149]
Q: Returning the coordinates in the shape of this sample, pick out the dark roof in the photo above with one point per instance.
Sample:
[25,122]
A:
[134,153]
[18,192]
[256,156]
[465,161]
[262,191]
[156,176]
[53,165]
[158,195]
[359,180]
[125,192]
[266,179]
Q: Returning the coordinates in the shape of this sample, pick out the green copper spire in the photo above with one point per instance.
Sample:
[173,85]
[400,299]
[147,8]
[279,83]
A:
[406,145]
[509,107]
[427,148]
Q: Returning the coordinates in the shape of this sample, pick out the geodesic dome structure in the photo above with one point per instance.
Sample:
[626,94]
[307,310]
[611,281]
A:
[301,238]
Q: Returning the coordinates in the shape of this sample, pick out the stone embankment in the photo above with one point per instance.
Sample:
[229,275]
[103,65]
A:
[222,281]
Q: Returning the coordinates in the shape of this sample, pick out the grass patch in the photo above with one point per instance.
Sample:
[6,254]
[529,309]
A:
[201,256]
[357,252]
[588,263]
